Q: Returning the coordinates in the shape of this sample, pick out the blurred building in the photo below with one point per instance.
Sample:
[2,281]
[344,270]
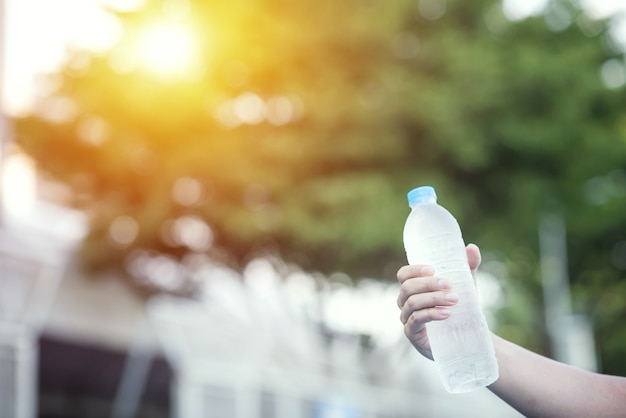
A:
[276,343]
[262,344]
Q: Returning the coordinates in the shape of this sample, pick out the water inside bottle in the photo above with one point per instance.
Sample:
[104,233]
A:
[467,374]
[462,346]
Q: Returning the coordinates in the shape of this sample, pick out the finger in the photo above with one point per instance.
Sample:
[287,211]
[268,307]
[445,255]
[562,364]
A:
[418,319]
[417,270]
[473,257]
[420,285]
[427,304]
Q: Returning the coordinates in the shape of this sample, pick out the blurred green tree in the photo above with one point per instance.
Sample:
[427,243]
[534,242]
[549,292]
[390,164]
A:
[298,127]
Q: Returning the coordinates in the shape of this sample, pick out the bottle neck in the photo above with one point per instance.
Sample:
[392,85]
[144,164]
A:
[426,201]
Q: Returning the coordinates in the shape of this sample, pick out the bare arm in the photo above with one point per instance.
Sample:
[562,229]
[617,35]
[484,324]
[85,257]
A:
[540,387]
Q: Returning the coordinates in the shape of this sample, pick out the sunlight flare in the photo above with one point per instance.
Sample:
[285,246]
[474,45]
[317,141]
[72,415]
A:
[168,50]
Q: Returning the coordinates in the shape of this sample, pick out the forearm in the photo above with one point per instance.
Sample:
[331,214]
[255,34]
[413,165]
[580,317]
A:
[540,387]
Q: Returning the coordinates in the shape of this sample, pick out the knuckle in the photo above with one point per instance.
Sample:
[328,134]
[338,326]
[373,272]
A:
[417,319]
[405,288]
[413,319]
[412,303]
[434,299]
[433,283]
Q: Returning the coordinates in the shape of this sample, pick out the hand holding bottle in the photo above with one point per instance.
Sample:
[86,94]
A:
[534,385]
[424,298]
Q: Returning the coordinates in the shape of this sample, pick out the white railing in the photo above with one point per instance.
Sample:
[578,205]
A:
[33,260]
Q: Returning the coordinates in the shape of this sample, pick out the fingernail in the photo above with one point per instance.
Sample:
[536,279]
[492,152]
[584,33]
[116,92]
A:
[452,297]
[444,312]
[427,270]
[444,284]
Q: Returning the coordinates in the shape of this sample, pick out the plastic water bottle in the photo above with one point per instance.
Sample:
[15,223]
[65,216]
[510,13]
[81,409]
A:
[461,344]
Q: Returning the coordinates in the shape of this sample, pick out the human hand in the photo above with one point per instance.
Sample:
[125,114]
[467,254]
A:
[424,298]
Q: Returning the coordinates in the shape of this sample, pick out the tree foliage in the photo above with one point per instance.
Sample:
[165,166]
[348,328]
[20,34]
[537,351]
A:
[305,123]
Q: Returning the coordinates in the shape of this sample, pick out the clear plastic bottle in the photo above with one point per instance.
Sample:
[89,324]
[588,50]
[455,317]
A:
[461,344]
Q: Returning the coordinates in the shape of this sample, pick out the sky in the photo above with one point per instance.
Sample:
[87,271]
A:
[37,32]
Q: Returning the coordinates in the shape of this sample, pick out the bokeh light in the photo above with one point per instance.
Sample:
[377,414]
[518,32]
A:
[59,109]
[432,9]
[156,270]
[123,231]
[192,232]
[19,183]
[613,73]
[251,109]
[558,17]
[187,191]
[93,130]
[517,10]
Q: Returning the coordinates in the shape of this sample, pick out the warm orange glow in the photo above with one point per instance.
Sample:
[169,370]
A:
[168,50]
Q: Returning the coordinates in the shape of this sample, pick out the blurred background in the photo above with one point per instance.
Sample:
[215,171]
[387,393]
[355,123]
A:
[202,202]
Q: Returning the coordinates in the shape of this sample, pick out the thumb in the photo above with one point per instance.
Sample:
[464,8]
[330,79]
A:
[473,258]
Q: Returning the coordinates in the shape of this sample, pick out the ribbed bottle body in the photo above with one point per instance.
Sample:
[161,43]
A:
[462,346]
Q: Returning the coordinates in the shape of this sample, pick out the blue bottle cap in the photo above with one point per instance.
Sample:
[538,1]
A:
[421,194]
